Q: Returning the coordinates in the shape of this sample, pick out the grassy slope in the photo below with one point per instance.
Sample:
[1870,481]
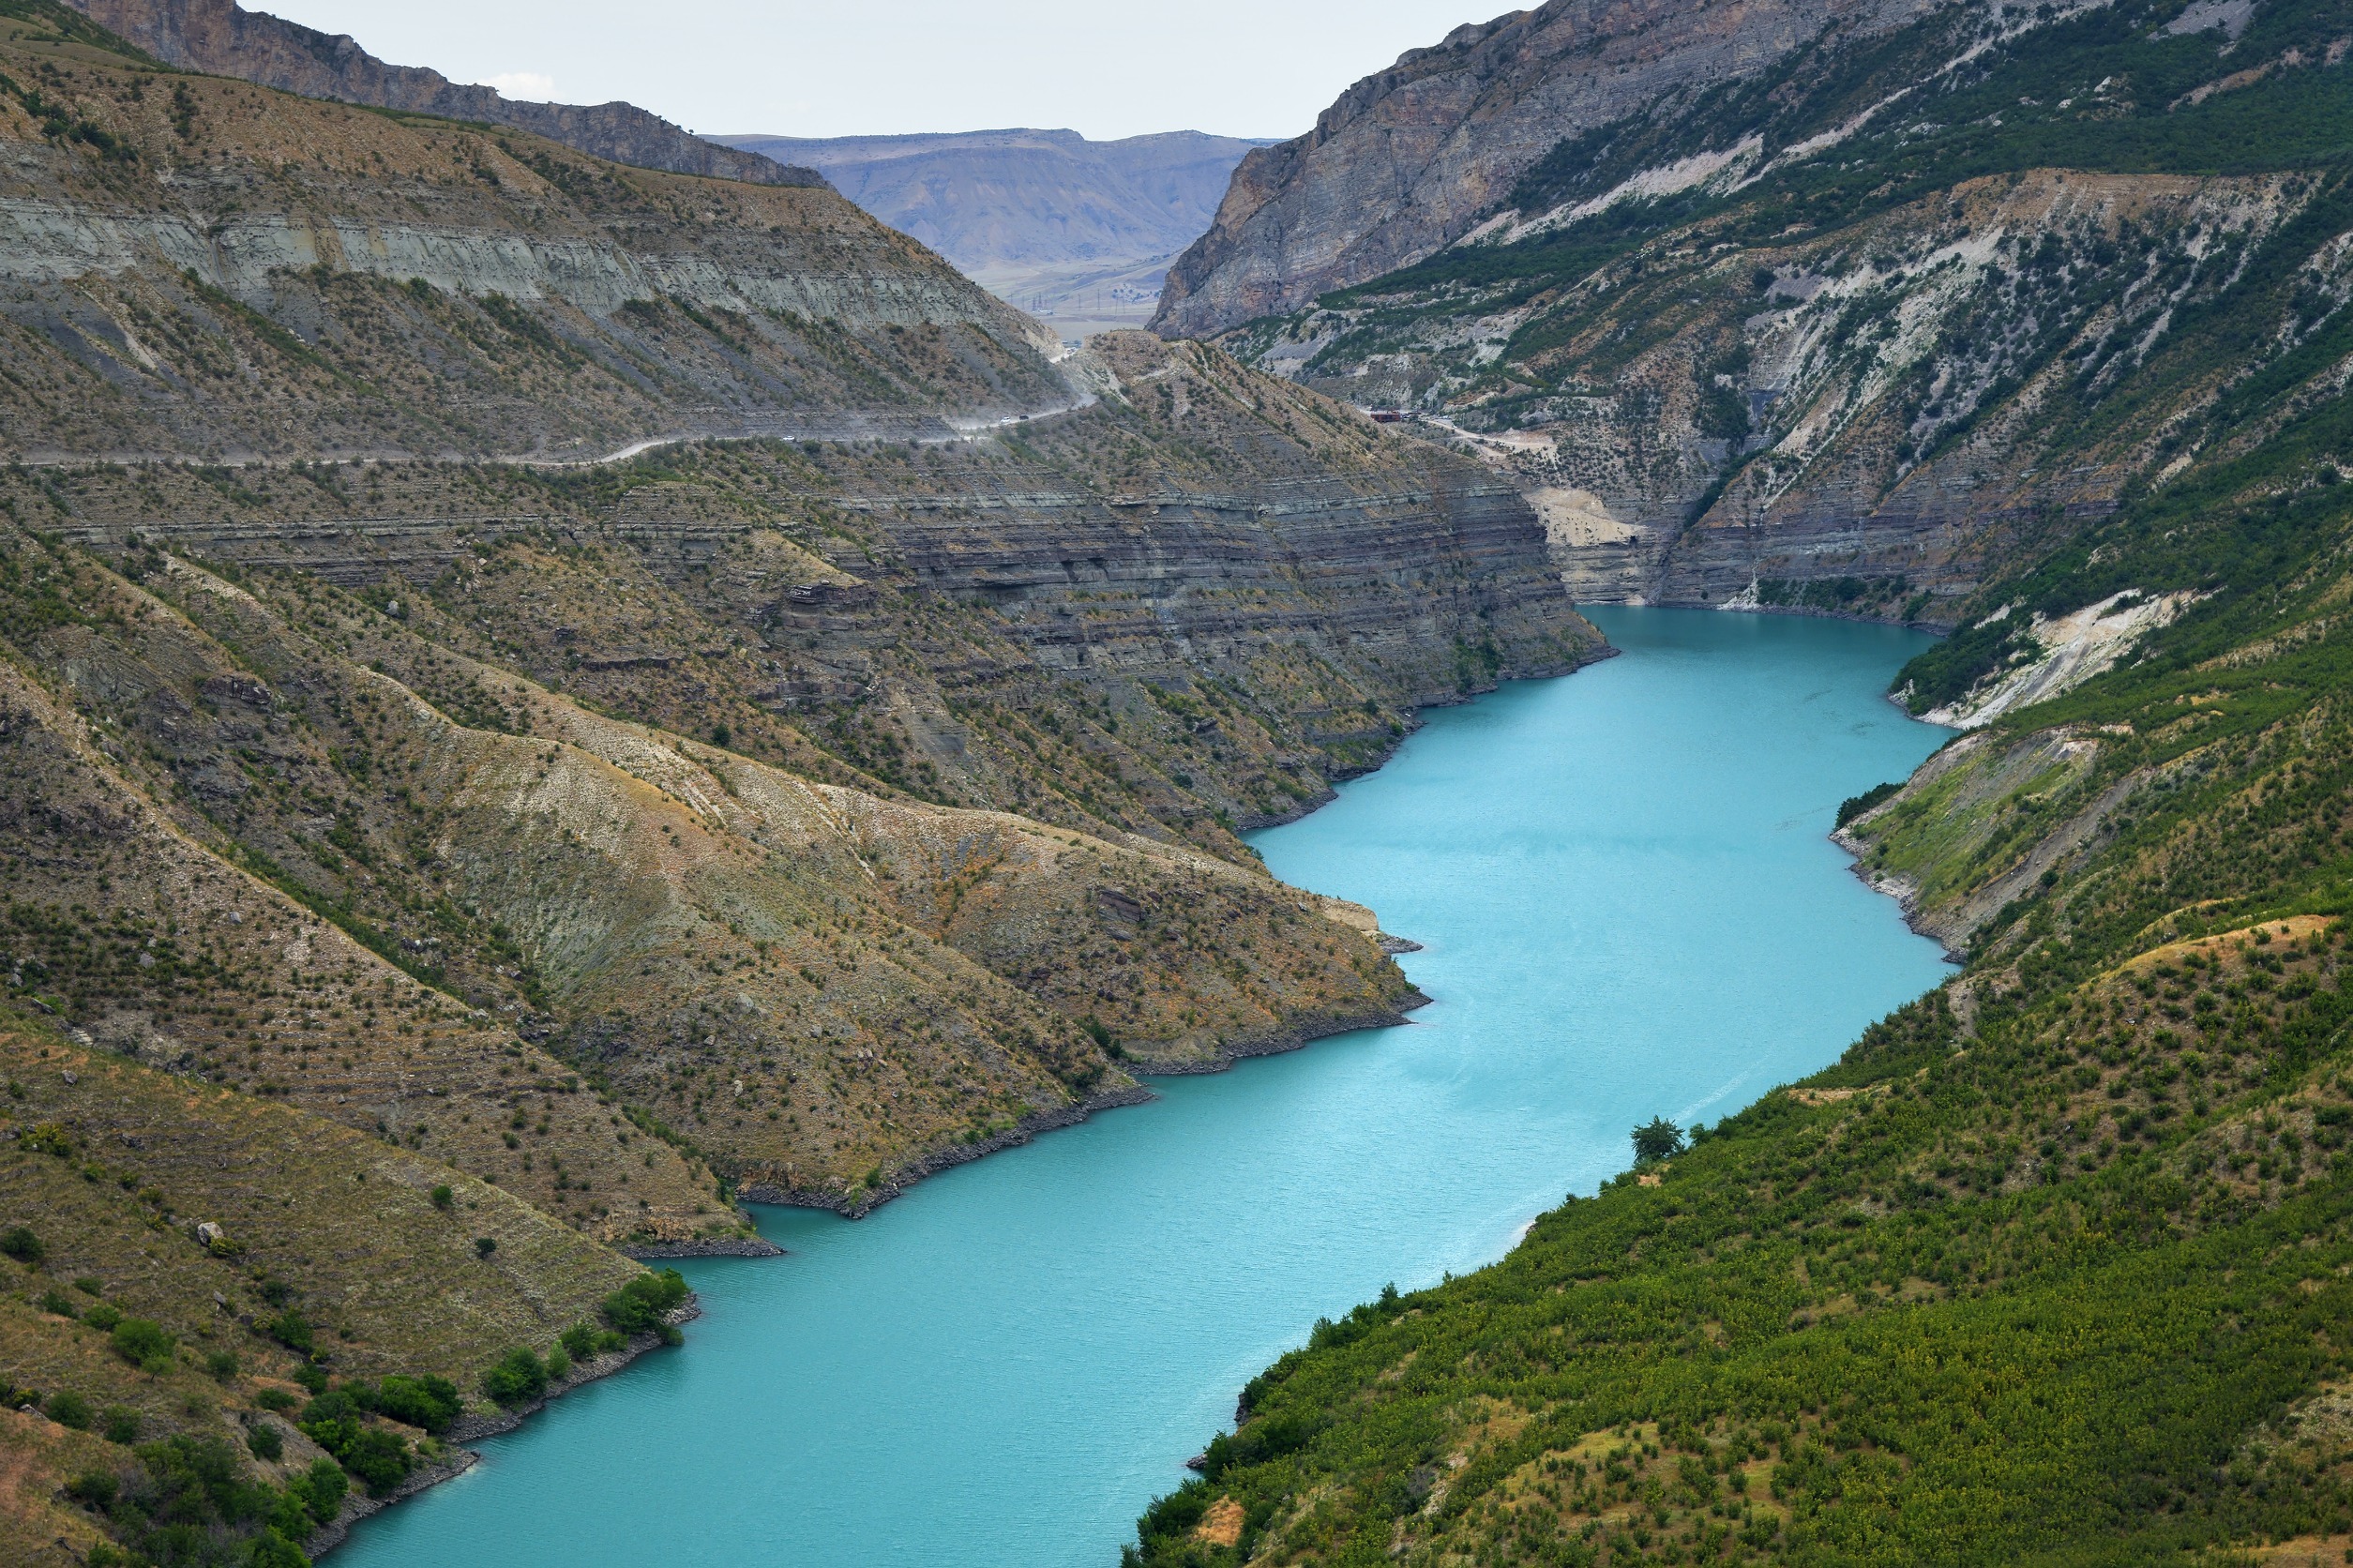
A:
[2050,1271]
[2050,1268]
[333,1226]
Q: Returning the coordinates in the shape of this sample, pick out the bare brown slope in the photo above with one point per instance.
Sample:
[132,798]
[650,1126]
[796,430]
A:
[817,987]
[224,37]
[1407,159]
[140,938]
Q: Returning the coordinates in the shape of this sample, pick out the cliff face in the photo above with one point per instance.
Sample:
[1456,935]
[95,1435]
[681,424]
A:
[1409,159]
[1859,334]
[224,38]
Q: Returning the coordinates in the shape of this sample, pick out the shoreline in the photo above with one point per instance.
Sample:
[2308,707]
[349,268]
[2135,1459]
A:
[458,1459]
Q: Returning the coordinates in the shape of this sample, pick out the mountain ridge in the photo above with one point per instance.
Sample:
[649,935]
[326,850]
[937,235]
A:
[224,37]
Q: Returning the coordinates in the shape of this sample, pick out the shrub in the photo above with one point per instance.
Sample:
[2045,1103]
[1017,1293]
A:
[93,1489]
[264,1443]
[18,1242]
[312,1379]
[70,1409]
[641,1304]
[583,1341]
[144,1345]
[292,1330]
[443,1197]
[320,1491]
[429,1402]
[102,1318]
[275,1399]
[122,1424]
[485,1245]
[519,1378]
[559,1365]
[273,1550]
[55,1301]
[221,1364]
[379,1460]
[1657,1139]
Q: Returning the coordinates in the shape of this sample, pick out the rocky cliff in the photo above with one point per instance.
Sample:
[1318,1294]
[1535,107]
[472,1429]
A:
[1855,335]
[224,38]
[1409,159]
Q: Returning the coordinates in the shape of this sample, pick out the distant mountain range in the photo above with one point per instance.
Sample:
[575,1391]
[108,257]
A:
[1027,198]
[1078,233]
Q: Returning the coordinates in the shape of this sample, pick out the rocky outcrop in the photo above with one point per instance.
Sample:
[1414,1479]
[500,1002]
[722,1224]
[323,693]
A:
[1409,159]
[222,37]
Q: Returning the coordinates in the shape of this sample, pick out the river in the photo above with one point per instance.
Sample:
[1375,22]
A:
[1629,908]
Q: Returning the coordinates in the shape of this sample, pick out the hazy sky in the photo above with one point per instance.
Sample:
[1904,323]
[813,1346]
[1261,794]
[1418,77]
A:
[805,68]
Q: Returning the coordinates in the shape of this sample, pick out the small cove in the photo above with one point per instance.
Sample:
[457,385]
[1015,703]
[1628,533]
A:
[1629,908]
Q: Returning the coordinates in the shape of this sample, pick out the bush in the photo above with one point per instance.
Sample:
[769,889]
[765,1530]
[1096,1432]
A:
[641,1304]
[1657,1139]
[221,1364]
[379,1460]
[21,1244]
[102,1318]
[312,1379]
[1855,806]
[144,1345]
[262,1442]
[320,1491]
[55,1301]
[122,1424]
[93,1489]
[585,1342]
[292,1330]
[70,1409]
[521,1377]
[443,1197]
[485,1245]
[430,1402]
[275,1399]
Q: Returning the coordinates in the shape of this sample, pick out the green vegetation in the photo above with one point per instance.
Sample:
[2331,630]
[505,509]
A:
[2051,1267]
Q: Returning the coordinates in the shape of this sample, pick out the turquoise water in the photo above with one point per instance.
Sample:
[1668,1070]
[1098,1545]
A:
[1629,910]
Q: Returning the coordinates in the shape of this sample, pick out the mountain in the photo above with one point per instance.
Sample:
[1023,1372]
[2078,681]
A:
[991,199]
[242,273]
[224,38]
[540,699]
[1078,233]
[2037,326]
[1848,333]
[1409,159]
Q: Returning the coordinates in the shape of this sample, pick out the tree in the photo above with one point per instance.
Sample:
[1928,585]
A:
[1657,1139]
